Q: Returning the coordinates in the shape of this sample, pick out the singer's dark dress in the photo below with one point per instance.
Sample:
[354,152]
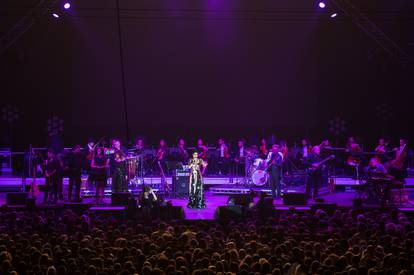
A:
[196,188]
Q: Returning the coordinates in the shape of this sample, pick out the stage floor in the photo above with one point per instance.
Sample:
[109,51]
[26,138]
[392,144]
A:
[213,201]
[218,191]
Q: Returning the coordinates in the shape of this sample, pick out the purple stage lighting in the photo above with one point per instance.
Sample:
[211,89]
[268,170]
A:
[333,15]
[66,5]
[322,5]
[55,15]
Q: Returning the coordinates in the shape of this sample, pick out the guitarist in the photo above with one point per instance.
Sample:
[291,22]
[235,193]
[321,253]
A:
[274,163]
[315,172]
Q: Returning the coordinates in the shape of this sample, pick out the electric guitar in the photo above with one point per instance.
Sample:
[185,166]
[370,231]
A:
[315,166]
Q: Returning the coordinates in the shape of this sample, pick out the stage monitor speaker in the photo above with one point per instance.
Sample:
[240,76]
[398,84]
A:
[17,198]
[240,199]
[327,207]
[357,203]
[31,203]
[120,199]
[181,181]
[294,198]
[168,212]
[230,212]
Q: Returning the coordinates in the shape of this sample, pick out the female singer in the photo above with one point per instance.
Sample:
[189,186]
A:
[99,165]
[196,192]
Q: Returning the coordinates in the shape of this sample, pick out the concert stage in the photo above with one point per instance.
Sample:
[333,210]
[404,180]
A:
[219,189]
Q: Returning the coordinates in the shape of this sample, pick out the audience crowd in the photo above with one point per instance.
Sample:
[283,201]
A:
[344,242]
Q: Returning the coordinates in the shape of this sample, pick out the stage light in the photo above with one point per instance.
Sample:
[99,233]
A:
[322,5]
[55,15]
[66,6]
[333,15]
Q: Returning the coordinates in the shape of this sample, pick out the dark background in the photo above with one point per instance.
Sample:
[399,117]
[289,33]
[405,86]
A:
[208,68]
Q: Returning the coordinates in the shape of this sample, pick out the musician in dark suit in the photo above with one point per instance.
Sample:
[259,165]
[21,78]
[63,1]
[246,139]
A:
[398,166]
[274,162]
[315,172]
[75,164]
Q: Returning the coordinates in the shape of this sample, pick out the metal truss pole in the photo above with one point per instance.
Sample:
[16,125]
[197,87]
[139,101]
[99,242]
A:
[25,23]
[396,53]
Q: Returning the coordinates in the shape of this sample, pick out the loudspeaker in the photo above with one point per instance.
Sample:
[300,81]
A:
[294,199]
[357,203]
[229,212]
[120,199]
[240,199]
[168,212]
[327,207]
[181,181]
[31,203]
[18,198]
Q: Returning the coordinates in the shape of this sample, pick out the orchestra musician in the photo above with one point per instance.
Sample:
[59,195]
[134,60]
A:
[182,151]
[161,156]
[352,146]
[139,146]
[375,168]
[305,149]
[398,166]
[354,150]
[99,176]
[52,166]
[201,149]
[223,157]
[117,146]
[274,163]
[89,152]
[75,163]
[382,146]
[239,157]
[382,149]
[284,149]
[315,172]
[263,148]
[60,173]
[89,149]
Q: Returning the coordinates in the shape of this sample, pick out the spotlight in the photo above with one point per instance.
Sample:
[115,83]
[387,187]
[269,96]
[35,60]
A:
[55,15]
[322,5]
[66,6]
[333,15]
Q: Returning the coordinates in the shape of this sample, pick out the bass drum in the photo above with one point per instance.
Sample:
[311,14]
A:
[260,177]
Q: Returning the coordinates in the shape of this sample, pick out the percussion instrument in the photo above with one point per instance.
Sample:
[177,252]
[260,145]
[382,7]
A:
[258,164]
[260,177]
[131,166]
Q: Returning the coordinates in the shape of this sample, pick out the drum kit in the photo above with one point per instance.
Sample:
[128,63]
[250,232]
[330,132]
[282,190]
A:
[256,170]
